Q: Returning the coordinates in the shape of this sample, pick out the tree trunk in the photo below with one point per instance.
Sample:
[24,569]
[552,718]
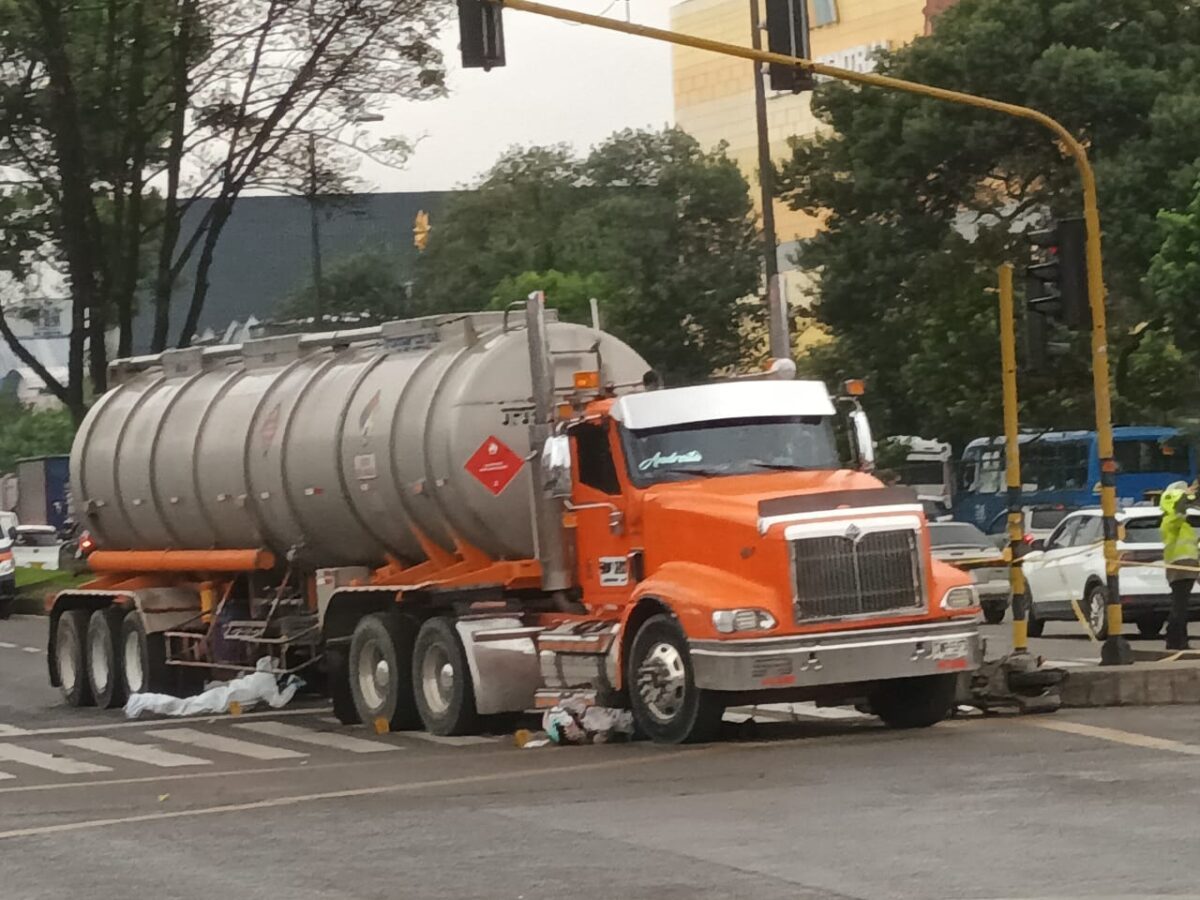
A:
[222,208]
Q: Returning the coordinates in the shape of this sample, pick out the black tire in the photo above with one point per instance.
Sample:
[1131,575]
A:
[337,665]
[104,660]
[445,692]
[6,607]
[667,706]
[149,673]
[1033,625]
[1094,610]
[993,611]
[914,702]
[380,670]
[1151,625]
[70,654]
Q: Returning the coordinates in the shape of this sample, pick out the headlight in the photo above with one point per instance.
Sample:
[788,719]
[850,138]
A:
[727,621]
[963,597]
[6,566]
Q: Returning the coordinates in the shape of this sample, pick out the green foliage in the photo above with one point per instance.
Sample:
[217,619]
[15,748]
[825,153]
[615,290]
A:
[659,230]
[570,293]
[924,199]
[365,286]
[28,432]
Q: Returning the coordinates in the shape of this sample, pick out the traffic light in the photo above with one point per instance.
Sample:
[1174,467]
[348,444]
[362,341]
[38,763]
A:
[480,34]
[1056,283]
[787,33]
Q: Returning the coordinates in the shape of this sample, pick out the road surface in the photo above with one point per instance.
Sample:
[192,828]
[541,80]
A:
[805,803]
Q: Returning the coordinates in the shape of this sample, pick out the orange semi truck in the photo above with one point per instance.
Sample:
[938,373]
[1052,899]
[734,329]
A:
[451,519]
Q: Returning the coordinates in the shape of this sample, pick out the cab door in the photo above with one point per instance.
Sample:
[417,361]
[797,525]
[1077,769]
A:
[602,538]
[1044,572]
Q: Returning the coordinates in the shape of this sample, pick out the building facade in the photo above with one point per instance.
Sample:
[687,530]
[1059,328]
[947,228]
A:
[714,95]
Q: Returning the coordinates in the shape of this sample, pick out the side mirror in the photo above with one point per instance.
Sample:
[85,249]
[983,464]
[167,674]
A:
[1038,545]
[864,442]
[556,466]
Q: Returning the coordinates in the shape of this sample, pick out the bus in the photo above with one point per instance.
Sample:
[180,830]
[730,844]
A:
[1061,469]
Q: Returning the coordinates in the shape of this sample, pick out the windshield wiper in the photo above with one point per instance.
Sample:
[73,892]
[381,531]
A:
[781,467]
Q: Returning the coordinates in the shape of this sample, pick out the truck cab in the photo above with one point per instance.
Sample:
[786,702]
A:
[724,511]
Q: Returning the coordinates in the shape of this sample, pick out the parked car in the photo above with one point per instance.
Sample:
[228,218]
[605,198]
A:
[37,546]
[1038,524]
[1069,565]
[8,576]
[962,544]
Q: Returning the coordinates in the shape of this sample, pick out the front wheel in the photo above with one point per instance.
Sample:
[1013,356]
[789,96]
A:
[993,611]
[914,702]
[1033,625]
[1095,609]
[667,706]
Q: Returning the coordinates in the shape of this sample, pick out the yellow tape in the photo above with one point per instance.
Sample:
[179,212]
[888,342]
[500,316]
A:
[1083,621]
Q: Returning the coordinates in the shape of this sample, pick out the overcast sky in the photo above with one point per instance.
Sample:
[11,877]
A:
[562,83]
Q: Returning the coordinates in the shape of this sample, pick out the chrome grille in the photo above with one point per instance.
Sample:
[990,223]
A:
[839,576]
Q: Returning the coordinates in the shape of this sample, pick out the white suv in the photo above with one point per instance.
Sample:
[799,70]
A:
[1069,565]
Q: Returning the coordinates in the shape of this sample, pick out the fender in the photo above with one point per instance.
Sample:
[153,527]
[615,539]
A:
[693,591]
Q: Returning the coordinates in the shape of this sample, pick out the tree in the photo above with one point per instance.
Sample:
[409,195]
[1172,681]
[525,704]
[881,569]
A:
[205,98]
[665,227]
[32,432]
[923,199]
[364,287]
[570,293]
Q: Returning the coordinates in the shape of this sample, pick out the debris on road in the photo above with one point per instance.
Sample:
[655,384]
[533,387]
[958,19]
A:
[574,721]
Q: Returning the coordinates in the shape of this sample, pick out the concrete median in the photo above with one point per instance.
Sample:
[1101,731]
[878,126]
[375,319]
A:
[1141,684]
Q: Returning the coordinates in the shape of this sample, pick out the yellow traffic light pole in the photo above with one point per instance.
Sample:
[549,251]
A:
[1116,650]
[1012,454]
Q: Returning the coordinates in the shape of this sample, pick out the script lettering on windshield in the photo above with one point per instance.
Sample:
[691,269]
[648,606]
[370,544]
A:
[660,459]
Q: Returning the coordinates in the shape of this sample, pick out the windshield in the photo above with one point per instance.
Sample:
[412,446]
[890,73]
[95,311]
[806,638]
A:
[729,447]
[958,534]
[922,472]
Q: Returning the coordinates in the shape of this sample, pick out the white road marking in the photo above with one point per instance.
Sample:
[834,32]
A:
[466,740]
[207,741]
[11,730]
[377,790]
[1069,663]
[32,649]
[60,764]
[142,753]
[152,723]
[4,776]
[319,738]
[1117,737]
[329,720]
[7,645]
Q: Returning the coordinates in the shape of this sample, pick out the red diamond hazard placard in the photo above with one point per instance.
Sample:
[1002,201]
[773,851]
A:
[494,464]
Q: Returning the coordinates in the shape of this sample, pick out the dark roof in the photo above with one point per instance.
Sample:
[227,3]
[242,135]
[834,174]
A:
[264,252]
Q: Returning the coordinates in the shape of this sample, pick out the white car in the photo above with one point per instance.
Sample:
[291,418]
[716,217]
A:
[965,546]
[1069,565]
[1038,524]
[37,546]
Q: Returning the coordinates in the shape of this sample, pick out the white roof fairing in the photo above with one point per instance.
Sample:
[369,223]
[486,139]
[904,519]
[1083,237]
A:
[722,401]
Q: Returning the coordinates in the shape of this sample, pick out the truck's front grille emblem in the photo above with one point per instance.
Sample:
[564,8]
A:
[856,574]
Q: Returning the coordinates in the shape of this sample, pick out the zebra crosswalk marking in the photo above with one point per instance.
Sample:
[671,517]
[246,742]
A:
[317,738]
[39,760]
[208,741]
[149,754]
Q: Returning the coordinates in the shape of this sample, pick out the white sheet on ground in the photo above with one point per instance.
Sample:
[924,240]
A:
[247,691]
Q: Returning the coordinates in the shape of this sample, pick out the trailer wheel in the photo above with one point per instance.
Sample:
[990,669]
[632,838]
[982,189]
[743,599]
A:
[381,669]
[337,665]
[444,690]
[143,658]
[993,611]
[914,702]
[104,657]
[70,655]
[667,706]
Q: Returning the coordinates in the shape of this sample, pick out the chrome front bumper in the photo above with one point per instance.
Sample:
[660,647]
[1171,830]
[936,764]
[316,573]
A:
[839,657]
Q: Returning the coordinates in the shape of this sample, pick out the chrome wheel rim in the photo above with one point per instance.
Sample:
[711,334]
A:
[98,661]
[374,675]
[1096,612]
[662,681]
[437,679]
[135,676]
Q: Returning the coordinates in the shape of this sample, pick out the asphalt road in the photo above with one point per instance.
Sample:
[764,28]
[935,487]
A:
[807,804]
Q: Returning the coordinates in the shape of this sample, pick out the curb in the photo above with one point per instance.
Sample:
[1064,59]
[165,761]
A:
[1147,684]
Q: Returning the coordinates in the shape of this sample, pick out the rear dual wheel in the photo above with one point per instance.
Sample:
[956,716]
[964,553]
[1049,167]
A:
[379,671]
[105,665]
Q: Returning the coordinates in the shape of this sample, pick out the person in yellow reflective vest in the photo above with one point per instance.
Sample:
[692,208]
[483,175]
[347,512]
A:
[1181,556]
